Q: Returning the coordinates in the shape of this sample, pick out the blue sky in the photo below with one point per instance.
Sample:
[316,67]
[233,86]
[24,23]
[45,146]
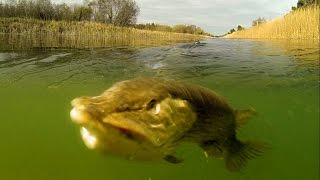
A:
[214,16]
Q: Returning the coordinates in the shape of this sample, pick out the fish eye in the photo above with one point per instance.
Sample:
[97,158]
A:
[151,104]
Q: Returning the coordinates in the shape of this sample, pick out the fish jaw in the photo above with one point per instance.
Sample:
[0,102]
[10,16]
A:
[145,133]
[89,139]
[113,142]
[111,138]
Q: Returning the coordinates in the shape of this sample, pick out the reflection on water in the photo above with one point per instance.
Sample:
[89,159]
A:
[279,79]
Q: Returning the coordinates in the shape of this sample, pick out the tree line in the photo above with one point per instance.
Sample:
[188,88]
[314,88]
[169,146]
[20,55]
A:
[116,12]
[180,28]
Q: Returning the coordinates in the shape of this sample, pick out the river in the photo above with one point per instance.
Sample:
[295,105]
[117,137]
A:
[280,79]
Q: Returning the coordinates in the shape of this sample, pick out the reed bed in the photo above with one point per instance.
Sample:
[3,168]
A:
[18,33]
[299,24]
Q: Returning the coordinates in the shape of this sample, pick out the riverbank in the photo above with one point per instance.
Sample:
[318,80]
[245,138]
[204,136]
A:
[299,24]
[20,33]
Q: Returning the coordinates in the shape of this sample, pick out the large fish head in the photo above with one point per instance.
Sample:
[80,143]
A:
[132,119]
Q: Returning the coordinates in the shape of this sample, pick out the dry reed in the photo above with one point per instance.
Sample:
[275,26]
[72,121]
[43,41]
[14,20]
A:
[299,24]
[70,34]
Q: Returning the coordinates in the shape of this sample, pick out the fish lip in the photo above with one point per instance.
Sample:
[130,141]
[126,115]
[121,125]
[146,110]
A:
[80,116]
[84,113]
[87,115]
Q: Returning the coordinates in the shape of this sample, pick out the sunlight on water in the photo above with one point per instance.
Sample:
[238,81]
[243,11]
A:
[279,79]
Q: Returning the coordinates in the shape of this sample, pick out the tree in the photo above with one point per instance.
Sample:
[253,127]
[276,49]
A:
[2,9]
[180,28]
[259,21]
[82,13]
[301,3]
[62,12]
[128,13]
[305,3]
[240,28]
[21,8]
[44,9]
[116,12]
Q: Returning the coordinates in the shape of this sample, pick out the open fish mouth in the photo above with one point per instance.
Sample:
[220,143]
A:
[113,133]
[93,139]
[153,124]
[94,131]
[80,117]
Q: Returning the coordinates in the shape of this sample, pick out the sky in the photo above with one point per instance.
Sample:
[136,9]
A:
[214,16]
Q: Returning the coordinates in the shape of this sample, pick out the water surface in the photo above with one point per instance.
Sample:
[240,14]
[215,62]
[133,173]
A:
[279,79]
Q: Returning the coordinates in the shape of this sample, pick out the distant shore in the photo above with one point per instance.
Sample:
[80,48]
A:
[74,34]
[299,24]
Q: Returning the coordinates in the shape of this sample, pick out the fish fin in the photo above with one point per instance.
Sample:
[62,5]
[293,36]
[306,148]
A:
[173,159]
[212,148]
[243,115]
[238,153]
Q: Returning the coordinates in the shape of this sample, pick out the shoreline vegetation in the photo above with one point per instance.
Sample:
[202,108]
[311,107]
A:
[27,33]
[302,23]
[28,24]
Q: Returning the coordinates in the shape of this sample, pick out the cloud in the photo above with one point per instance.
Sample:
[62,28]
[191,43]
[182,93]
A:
[214,16]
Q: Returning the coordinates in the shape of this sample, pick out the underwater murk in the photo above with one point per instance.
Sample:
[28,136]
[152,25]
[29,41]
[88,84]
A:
[278,79]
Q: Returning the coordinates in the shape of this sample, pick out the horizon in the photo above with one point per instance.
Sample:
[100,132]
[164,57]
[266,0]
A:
[216,17]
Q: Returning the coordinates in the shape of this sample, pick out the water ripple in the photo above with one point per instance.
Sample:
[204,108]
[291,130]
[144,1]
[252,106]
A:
[232,60]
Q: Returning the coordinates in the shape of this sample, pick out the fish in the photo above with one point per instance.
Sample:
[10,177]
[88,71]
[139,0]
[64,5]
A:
[148,118]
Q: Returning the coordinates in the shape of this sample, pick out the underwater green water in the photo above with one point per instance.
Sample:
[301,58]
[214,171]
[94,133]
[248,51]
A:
[279,79]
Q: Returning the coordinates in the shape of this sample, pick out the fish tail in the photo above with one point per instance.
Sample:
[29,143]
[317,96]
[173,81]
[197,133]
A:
[238,153]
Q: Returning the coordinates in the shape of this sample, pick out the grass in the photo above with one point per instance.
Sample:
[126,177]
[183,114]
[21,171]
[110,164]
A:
[20,33]
[299,24]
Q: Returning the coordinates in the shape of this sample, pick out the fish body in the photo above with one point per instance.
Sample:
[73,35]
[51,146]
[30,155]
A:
[147,118]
